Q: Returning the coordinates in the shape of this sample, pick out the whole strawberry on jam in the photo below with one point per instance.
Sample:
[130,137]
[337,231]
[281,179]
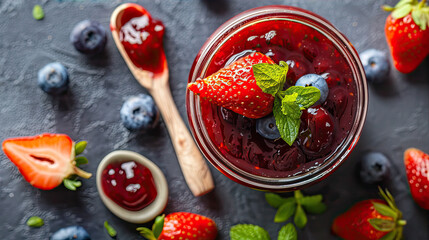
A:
[371,220]
[47,160]
[181,225]
[417,168]
[234,87]
[407,33]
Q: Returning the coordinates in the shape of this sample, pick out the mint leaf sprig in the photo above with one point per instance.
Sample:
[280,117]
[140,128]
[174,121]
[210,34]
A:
[254,232]
[297,206]
[289,103]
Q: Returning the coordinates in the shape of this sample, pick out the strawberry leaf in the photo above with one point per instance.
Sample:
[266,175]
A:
[288,232]
[274,200]
[80,147]
[158,225]
[382,225]
[390,236]
[402,11]
[316,208]
[72,184]
[285,211]
[385,210]
[35,221]
[270,77]
[300,218]
[81,160]
[146,233]
[248,232]
[110,230]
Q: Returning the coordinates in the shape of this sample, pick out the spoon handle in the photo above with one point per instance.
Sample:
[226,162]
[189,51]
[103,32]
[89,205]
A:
[192,163]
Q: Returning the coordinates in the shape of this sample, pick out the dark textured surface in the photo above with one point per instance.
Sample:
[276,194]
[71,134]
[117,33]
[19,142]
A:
[398,116]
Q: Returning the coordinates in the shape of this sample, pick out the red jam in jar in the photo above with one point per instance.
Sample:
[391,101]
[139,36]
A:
[141,36]
[129,184]
[323,128]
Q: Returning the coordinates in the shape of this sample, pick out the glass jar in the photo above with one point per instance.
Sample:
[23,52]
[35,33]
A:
[200,67]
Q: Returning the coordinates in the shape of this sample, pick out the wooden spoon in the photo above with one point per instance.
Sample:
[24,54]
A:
[194,167]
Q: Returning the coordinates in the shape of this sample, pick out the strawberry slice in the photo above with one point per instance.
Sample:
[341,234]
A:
[44,160]
[234,87]
[417,168]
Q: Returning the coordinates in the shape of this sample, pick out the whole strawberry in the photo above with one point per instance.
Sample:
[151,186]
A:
[407,33]
[181,225]
[417,168]
[370,220]
[234,87]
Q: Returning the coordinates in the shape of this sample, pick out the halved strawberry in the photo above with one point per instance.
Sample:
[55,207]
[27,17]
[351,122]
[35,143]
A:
[45,160]
[234,87]
[417,168]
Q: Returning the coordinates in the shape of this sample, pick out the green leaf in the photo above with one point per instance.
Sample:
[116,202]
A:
[80,147]
[307,96]
[317,208]
[288,232]
[110,230]
[270,77]
[300,218]
[158,225]
[81,160]
[285,211]
[38,12]
[311,200]
[288,125]
[146,233]
[402,11]
[248,232]
[298,195]
[390,236]
[275,200]
[405,2]
[72,184]
[385,210]
[35,221]
[382,225]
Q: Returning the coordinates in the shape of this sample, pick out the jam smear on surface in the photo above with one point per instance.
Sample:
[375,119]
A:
[323,128]
[141,36]
[129,184]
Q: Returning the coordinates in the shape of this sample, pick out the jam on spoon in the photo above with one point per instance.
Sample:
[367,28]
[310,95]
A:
[129,184]
[141,36]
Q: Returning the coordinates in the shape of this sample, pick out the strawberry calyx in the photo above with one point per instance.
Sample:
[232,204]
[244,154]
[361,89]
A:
[71,182]
[155,232]
[394,223]
[419,11]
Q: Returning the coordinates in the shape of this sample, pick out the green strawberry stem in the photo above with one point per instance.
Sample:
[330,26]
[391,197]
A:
[401,222]
[81,173]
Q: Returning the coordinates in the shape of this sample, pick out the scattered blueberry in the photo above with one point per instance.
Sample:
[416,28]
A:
[139,113]
[267,127]
[376,65]
[89,37]
[71,233]
[374,167]
[317,81]
[53,78]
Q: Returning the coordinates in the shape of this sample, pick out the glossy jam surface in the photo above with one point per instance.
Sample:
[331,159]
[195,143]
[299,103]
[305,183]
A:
[141,36]
[323,128]
[129,184]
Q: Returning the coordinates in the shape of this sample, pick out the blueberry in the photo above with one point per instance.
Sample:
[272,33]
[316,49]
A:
[374,167]
[139,113]
[376,65]
[317,81]
[71,233]
[267,128]
[53,78]
[89,37]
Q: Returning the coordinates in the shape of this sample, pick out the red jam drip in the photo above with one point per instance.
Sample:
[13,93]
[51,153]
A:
[129,184]
[141,36]
[322,129]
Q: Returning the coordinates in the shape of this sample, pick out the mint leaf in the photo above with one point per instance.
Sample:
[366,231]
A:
[288,125]
[270,77]
[35,221]
[300,218]
[38,12]
[248,232]
[80,147]
[158,225]
[275,200]
[288,232]
[311,200]
[298,195]
[306,96]
[110,230]
[146,233]
[317,208]
[285,211]
[313,204]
